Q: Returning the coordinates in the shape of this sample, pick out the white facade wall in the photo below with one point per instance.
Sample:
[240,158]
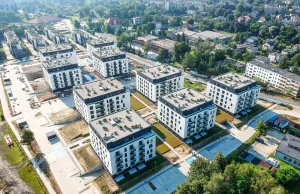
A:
[94,110]
[91,49]
[292,161]
[153,91]
[111,68]
[186,126]
[231,102]
[110,158]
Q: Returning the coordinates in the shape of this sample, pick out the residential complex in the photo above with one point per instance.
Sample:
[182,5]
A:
[80,37]
[62,74]
[102,97]
[56,36]
[34,38]
[158,81]
[289,150]
[110,62]
[277,78]
[94,45]
[233,92]
[122,140]
[56,52]
[186,112]
[14,44]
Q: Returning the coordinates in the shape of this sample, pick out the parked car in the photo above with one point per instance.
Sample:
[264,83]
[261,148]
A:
[260,140]
[273,162]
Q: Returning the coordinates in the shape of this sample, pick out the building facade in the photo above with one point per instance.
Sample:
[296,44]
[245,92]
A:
[233,93]
[158,81]
[279,79]
[98,45]
[80,37]
[34,38]
[57,52]
[186,112]
[14,44]
[110,63]
[122,140]
[62,74]
[99,98]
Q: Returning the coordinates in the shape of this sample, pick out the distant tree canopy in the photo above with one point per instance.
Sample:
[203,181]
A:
[9,16]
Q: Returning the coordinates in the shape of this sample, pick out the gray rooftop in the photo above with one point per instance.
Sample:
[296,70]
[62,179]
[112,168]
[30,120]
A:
[288,144]
[107,53]
[165,43]
[55,48]
[186,99]
[119,125]
[98,41]
[282,72]
[233,80]
[98,88]
[60,62]
[160,71]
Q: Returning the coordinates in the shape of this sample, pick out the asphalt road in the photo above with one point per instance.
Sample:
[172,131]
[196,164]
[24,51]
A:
[278,99]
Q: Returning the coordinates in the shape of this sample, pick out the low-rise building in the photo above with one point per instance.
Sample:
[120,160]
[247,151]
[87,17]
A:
[289,150]
[122,140]
[158,81]
[99,98]
[273,8]
[110,63]
[95,45]
[62,74]
[262,59]
[233,92]
[277,78]
[80,37]
[114,23]
[34,38]
[14,44]
[56,52]
[268,45]
[275,57]
[252,40]
[186,112]
[137,20]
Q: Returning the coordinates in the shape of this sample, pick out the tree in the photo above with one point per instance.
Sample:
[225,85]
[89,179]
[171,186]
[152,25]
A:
[160,55]
[27,137]
[190,21]
[287,175]
[179,50]
[220,55]
[76,24]
[118,32]
[295,69]
[147,48]
[247,56]
[261,126]
[284,62]
[220,161]
[216,185]
[230,17]
[188,61]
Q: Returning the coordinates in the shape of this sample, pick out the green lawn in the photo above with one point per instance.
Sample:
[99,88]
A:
[161,147]
[142,98]
[166,135]
[135,104]
[194,85]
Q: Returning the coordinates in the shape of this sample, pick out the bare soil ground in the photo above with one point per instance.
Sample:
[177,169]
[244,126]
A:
[144,111]
[292,118]
[38,114]
[151,119]
[46,96]
[32,68]
[264,103]
[76,130]
[63,115]
[171,156]
[33,76]
[39,84]
[183,150]
[87,157]
[106,184]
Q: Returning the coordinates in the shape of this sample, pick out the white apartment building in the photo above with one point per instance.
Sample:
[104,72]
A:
[62,74]
[110,63]
[186,112]
[158,81]
[279,79]
[56,52]
[34,38]
[233,92]
[99,98]
[122,140]
[95,45]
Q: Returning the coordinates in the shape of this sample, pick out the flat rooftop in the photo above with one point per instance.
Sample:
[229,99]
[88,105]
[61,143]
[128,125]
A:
[160,71]
[288,144]
[119,125]
[107,53]
[165,43]
[148,38]
[60,62]
[55,48]
[99,41]
[186,99]
[233,80]
[98,88]
[274,69]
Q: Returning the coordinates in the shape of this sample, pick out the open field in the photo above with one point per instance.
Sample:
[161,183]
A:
[87,157]
[194,85]
[63,116]
[135,104]
[45,96]
[161,147]
[223,116]
[166,135]
[106,184]
[142,98]
[39,84]
[77,129]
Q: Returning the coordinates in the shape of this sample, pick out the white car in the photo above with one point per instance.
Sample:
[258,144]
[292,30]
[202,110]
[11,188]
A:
[273,162]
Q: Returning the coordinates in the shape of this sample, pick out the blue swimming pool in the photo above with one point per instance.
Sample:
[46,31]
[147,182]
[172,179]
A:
[191,159]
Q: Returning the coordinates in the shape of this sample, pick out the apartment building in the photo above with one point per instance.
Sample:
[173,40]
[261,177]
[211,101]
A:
[34,38]
[122,140]
[55,36]
[233,92]
[158,81]
[80,37]
[99,98]
[62,74]
[110,63]
[95,45]
[279,79]
[186,112]
[14,44]
[56,52]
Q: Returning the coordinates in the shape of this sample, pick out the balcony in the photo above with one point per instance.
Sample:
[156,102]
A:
[119,156]
[142,148]
[119,161]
